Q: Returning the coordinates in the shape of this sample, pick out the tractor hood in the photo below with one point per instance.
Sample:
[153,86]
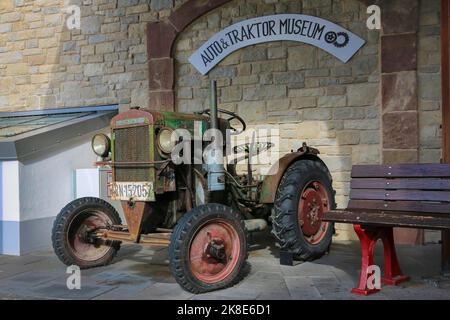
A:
[172,120]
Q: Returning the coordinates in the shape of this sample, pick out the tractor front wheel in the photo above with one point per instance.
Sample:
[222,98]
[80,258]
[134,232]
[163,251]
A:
[305,193]
[208,248]
[72,233]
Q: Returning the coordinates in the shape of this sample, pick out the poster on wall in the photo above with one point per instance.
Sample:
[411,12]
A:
[315,31]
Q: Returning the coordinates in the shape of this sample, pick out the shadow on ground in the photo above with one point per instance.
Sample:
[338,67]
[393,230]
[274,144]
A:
[143,273]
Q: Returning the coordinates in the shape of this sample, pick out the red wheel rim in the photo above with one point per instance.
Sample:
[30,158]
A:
[314,202]
[76,235]
[207,267]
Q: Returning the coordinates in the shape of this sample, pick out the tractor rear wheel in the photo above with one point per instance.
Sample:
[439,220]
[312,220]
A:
[72,229]
[208,248]
[304,194]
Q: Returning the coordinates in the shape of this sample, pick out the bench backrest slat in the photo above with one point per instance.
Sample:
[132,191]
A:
[411,206]
[409,187]
[401,183]
[402,171]
[411,195]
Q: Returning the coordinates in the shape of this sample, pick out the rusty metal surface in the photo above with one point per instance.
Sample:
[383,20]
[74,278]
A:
[165,178]
[132,145]
[271,181]
[152,239]
[124,163]
[132,141]
[134,216]
[118,121]
[115,235]
[135,156]
[156,239]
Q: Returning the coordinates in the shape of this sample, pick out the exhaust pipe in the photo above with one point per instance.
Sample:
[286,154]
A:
[214,120]
[216,175]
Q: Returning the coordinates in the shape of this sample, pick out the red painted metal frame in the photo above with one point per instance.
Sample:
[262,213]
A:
[392,273]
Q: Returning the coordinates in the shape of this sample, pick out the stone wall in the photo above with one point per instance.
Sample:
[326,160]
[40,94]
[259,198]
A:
[311,95]
[429,82]
[43,64]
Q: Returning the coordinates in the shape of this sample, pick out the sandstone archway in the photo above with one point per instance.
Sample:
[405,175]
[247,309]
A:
[161,37]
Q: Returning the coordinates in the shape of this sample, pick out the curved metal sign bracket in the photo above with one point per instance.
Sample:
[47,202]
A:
[315,31]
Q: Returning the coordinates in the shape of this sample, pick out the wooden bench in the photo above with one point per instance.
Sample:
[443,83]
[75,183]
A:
[387,196]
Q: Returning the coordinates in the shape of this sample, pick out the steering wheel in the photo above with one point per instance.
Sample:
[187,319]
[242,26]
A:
[232,116]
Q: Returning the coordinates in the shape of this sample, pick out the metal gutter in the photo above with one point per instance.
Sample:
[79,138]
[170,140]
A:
[46,112]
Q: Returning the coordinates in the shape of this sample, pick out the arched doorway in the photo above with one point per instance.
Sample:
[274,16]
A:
[161,37]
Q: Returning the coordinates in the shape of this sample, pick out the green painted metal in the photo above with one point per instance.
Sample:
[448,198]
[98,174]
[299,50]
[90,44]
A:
[266,195]
[175,120]
[151,130]
[195,124]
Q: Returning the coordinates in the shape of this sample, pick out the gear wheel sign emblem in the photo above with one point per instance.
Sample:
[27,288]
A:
[338,39]
[330,37]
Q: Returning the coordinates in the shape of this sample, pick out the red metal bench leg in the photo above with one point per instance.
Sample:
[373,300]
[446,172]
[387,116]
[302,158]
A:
[368,241]
[392,273]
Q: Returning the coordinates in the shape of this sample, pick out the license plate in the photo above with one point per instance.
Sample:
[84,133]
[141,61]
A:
[136,191]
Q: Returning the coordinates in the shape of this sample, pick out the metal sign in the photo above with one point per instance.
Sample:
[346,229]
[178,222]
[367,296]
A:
[315,31]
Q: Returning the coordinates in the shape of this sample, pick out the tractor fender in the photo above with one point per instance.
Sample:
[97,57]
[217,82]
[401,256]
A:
[272,180]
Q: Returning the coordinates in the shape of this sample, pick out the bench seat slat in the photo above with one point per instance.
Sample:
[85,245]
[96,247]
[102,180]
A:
[401,183]
[391,219]
[412,195]
[411,206]
[407,195]
[401,171]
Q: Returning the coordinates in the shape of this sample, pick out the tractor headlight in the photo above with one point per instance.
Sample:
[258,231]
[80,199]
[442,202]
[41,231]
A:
[165,141]
[101,145]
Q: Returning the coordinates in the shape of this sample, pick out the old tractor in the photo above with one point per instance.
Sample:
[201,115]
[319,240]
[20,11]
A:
[201,210]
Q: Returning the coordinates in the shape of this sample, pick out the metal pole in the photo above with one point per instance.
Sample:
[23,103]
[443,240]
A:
[216,179]
[213,105]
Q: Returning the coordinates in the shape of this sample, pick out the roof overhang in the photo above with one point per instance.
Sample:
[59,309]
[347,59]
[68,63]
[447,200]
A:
[33,142]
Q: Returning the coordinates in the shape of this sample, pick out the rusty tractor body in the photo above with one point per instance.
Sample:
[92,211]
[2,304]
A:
[201,211]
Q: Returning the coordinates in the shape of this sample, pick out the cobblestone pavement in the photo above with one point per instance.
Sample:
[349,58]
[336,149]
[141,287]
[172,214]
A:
[143,273]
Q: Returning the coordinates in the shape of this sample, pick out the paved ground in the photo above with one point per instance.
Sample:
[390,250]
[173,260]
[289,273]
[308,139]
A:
[139,273]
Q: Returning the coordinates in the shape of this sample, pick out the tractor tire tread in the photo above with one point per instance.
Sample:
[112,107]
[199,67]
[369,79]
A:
[60,224]
[178,238]
[285,209]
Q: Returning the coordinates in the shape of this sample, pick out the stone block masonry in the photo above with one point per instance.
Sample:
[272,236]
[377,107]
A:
[311,95]
[43,64]
[338,108]
[429,82]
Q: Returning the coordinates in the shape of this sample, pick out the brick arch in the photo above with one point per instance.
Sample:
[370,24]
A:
[161,37]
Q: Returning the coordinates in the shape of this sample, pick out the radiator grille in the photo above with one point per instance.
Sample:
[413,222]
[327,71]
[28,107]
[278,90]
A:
[132,145]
